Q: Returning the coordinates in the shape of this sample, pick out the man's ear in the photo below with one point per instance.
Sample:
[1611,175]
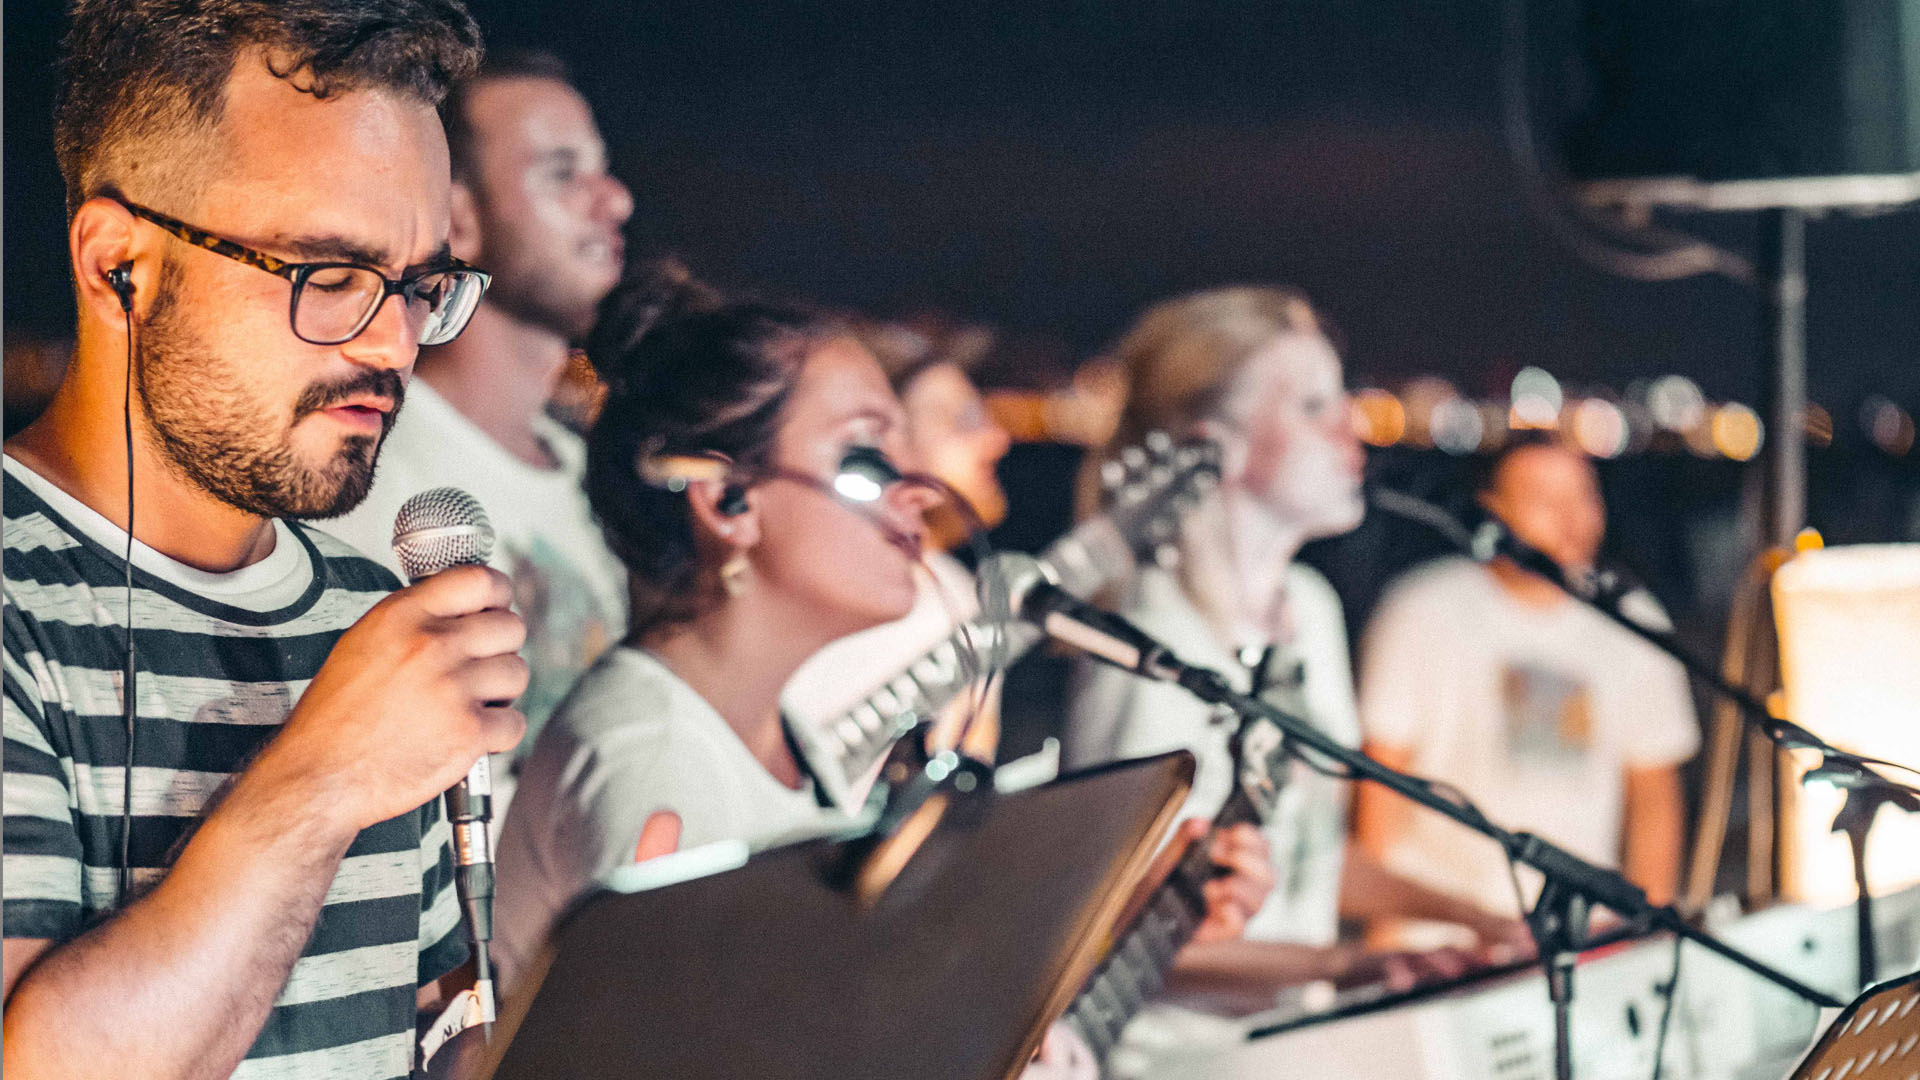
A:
[100,240]
[463,232]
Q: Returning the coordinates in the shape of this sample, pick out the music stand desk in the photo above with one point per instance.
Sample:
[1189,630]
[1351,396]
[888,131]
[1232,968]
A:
[791,966]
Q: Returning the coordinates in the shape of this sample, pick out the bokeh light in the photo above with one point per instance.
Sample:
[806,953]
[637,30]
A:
[1378,417]
[1600,428]
[1535,400]
[1737,431]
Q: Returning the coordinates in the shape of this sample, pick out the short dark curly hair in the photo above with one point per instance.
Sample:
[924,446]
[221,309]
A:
[144,81]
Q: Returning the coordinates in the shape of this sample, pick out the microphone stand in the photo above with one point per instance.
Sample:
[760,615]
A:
[1558,920]
[1867,789]
[1572,883]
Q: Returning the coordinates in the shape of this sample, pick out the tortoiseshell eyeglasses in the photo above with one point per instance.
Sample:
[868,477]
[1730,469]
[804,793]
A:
[334,302]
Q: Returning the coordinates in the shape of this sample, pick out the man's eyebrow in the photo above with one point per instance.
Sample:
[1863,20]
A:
[342,249]
[330,248]
[441,256]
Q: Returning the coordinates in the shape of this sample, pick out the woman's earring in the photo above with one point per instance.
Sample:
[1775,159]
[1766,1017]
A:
[733,574]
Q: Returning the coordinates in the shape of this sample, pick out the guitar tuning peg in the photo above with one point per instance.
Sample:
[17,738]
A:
[1112,475]
[1159,443]
[1134,459]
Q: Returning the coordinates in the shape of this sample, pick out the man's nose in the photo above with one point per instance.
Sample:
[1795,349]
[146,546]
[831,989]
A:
[391,340]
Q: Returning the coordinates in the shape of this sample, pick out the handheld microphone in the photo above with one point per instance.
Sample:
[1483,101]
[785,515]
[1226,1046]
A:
[437,530]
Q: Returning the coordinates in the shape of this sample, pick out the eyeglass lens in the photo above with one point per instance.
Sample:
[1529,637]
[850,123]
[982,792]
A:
[335,303]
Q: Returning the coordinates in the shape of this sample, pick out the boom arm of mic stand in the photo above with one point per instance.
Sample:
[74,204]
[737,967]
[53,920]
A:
[1604,886]
[1785,733]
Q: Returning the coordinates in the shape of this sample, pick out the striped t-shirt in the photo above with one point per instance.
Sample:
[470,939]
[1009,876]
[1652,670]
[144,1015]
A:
[221,660]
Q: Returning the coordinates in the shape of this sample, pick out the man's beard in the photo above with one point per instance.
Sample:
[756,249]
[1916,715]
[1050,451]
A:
[532,293]
[215,436]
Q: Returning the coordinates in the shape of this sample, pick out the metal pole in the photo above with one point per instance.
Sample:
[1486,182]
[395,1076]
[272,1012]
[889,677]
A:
[1783,276]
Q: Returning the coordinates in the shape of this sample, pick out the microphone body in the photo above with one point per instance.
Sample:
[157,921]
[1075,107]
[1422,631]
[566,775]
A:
[437,530]
[1033,596]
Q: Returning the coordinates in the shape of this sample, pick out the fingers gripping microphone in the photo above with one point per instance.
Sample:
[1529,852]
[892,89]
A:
[434,531]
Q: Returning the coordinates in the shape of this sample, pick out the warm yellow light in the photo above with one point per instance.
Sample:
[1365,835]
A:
[1737,431]
[1378,418]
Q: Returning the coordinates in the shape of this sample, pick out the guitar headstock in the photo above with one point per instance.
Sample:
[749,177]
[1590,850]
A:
[1151,485]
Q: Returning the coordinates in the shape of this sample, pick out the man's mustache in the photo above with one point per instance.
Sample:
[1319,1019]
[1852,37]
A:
[371,382]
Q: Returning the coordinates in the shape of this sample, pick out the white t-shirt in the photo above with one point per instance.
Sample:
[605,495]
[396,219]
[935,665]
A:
[569,588]
[1117,715]
[267,585]
[1534,713]
[632,738]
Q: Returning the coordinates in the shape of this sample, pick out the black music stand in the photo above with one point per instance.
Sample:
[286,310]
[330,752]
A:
[940,948]
[1875,1038]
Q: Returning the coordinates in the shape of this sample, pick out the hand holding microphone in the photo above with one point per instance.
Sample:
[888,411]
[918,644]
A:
[410,697]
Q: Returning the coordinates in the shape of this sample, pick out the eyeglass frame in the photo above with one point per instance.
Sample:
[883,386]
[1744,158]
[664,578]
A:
[296,273]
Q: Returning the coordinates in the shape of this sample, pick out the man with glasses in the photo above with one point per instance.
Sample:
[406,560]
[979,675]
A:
[224,739]
[533,203]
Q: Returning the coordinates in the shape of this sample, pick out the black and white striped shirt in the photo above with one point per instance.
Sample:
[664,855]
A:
[222,658]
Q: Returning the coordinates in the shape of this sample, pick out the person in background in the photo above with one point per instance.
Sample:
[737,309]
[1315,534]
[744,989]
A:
[1253,368]
[950,435]
[533,202]
[1549,716]
[711,467]
[245,867]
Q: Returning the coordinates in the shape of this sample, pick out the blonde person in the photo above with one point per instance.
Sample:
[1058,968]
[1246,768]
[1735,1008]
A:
[1253,368]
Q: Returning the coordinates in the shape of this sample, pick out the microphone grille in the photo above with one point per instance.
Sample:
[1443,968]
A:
[440,528]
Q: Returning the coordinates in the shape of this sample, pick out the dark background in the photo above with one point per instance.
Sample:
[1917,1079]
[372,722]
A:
[1052,167]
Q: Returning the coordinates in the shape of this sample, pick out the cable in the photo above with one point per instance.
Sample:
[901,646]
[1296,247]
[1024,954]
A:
[1683,256]
[1666,1009]
[128,703]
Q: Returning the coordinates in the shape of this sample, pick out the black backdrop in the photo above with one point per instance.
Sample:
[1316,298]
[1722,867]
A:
[1053,166]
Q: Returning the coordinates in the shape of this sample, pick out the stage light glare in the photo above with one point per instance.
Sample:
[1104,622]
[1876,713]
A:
[1535,401]
[1600,428]
[1737,431]
[1378,417]
[1676,403]
[1457,426]
[1888,425]
[1533,382]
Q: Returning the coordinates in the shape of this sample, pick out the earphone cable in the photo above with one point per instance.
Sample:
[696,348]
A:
[129,700]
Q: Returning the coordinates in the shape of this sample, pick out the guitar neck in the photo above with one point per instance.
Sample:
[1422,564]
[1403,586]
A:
[1083,562]
[1137,967]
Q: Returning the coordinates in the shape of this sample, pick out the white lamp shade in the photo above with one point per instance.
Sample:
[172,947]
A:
[1849,624]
